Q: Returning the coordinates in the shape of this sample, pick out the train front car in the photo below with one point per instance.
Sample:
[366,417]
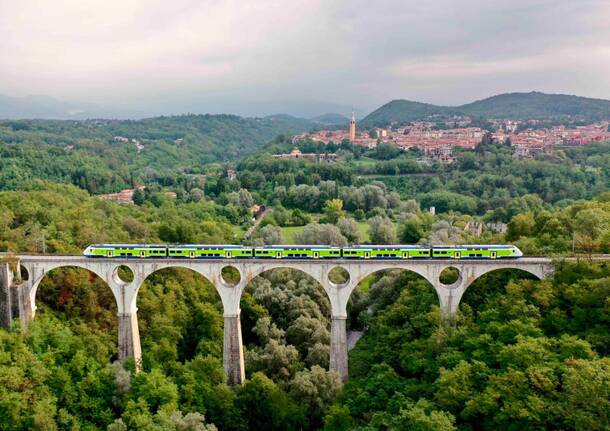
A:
[501,251]
[515,252]
[89,251]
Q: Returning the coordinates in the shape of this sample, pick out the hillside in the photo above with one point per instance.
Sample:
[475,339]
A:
[538,105]
[86,152]
[533,105]
[400,111]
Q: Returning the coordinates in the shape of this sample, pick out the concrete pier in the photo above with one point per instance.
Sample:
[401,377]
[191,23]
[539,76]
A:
[6,300]
[233,351]
[129,338]
[338,346]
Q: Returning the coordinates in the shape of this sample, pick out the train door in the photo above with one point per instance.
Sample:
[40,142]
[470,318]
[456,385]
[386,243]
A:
[142,253]
[367,254]
[493,254]
[228,254]
[192,254]
[405,254]
[278,254]
[316,254]
[109,253]
[458,255]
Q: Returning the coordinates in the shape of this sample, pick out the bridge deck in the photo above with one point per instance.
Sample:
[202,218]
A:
[423,261]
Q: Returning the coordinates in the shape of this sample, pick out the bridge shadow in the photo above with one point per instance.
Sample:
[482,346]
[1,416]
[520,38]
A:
[285,317]
[180,315]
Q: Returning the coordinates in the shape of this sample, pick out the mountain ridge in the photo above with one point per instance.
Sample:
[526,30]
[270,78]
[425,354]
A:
[516,105]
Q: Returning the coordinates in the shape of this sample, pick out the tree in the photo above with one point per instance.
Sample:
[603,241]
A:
[382,230]
[138,196]
[590,224]
[196,194]
[315,233]
[333,210]
[263,406]
[520,225]
[444,232]
[411,231]
[317,389]
[270,235]
[349,229]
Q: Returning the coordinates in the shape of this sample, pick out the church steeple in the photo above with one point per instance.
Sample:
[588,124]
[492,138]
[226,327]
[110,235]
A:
[352,128]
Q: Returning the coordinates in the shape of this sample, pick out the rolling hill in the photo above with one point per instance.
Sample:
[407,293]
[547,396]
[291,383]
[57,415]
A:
[533,105]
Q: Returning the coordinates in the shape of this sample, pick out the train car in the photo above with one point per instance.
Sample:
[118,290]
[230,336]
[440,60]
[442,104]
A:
[386,252]
[297,252]
[142,251]
[208,251]
[485,251]
[219,251]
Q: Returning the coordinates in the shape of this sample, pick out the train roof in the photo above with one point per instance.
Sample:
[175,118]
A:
[128,245]
[483,246]
[285,246]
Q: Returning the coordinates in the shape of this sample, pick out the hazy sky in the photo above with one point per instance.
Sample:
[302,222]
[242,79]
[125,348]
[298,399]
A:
[264,56]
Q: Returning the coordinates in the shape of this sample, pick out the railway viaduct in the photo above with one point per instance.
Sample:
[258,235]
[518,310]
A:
[19,300]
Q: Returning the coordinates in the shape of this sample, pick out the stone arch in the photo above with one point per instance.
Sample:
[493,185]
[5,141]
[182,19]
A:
[360,271]
[537,272]
[188,276]
[316,350]
[315,272]
[37,272]
[370,270]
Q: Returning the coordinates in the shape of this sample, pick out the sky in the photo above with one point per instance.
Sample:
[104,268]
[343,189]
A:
[303,57]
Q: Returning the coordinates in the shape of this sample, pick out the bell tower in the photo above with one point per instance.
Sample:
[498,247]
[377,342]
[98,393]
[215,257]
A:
[352,128]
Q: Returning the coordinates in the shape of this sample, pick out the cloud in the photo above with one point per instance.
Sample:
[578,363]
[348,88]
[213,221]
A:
[206,55]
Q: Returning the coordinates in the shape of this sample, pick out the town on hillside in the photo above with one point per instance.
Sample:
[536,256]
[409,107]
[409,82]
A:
[437,140]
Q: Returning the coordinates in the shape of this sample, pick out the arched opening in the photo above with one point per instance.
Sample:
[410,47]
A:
[390,307]
[123,274]
[490,286]
[230,275]
[180,317]
[449,275]
[76,304]
[338,275]
[24,273]
[285,317]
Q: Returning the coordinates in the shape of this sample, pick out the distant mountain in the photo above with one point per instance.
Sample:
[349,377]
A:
[45,107]
[401,111]
[331,119]
[533,105]
[538,105]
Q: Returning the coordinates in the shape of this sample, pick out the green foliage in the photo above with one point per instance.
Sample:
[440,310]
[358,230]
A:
[522,355]
[84,153]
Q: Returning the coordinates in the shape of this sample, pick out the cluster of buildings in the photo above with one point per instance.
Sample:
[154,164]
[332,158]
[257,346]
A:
[297,154]
[136,142]
[532,141]
[437,143]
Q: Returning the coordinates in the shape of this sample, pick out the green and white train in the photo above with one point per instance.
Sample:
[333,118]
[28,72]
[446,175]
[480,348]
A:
[217,251]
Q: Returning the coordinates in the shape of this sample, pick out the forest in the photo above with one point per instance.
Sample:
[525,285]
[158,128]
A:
[521,353]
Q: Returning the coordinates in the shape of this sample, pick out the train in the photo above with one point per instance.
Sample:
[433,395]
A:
[218,251]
